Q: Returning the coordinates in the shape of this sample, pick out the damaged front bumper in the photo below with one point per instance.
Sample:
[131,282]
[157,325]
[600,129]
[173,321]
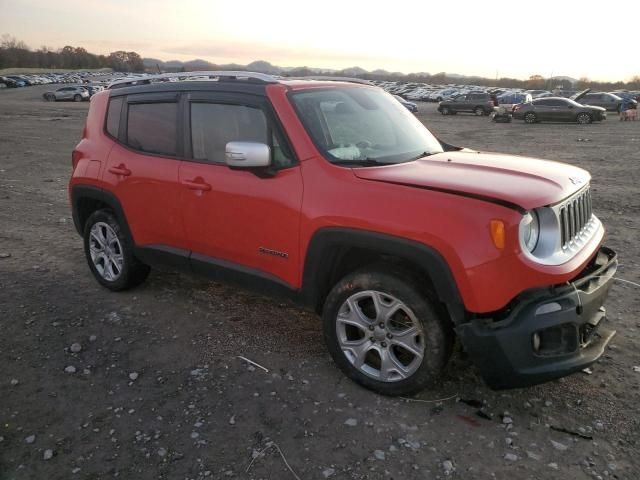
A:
[546,333]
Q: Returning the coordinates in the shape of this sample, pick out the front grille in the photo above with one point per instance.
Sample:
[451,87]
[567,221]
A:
[574,216]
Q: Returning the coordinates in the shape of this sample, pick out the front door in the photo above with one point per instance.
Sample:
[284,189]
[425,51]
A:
[244,220]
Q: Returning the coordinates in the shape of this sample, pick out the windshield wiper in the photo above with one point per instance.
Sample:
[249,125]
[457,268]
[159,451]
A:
[365,162]
[422,155]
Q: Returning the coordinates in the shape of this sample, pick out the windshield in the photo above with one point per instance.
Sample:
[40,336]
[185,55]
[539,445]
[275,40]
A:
[363,126]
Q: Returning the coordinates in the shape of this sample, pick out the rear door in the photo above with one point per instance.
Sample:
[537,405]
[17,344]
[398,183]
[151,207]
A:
[542,109]
[244,220]
[142,168]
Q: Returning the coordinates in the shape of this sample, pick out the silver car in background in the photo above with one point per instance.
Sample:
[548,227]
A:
[76,94]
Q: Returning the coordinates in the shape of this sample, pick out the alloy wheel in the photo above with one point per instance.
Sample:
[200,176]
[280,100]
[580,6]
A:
[106,251]
[380,336]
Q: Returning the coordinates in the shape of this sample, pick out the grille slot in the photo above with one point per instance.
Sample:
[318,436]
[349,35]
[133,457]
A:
[575,214]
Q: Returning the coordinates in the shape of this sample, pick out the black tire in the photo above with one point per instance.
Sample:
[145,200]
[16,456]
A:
[77,98]
[445,111]
[436,336]
[50,97]
[479,111]
[133,272]
[584,118]
[530,118]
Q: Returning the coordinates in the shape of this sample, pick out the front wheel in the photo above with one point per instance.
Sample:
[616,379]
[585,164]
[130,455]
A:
[445,111]
[479,111]
[530,118]
[584,118]
[77,98]
[110,253]
[384,333]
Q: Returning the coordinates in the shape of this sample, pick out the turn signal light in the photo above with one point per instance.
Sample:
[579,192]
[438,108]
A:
[497,233]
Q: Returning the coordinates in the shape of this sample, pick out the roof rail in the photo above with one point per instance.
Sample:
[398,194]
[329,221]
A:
[142,80]
[330,78]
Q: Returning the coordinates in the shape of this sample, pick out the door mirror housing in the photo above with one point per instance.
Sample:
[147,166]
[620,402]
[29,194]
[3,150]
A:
[247,155]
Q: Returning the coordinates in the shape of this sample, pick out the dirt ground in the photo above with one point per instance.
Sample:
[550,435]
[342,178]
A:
[160,393]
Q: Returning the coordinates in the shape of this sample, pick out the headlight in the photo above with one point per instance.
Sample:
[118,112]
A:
[530,230]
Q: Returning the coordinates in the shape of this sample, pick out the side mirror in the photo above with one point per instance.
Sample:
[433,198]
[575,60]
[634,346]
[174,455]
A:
[247,154]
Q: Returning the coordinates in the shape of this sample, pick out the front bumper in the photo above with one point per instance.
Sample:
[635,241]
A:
[545,333]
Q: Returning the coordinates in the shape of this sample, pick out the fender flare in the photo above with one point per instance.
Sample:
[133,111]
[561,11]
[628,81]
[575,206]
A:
[318,264]
[81,192]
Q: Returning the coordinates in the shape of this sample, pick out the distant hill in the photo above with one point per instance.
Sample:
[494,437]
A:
[262,66]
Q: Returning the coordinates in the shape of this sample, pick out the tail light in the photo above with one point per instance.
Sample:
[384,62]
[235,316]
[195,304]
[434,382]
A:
[75,158]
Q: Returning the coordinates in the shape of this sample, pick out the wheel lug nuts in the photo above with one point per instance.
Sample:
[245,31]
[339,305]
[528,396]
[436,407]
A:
[381,325]
[371,327]
[384,344]
[389,335]
[373,340]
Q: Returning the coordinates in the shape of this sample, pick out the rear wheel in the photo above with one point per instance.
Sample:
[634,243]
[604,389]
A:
[110,253]
[479,111]
[530,117]
[50,97]
[77,98]
[584,118]
[384,333]
[445,111]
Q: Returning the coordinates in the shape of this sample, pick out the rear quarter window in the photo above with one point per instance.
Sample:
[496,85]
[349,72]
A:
[113,116]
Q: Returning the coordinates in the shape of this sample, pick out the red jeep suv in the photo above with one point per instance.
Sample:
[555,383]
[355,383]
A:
[335,196]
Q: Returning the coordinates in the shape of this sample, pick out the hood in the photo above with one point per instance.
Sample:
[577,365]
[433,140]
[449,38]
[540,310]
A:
[577,96]
[513,181]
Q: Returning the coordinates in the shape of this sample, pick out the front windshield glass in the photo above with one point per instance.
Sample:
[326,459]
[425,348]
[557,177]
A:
[363,126]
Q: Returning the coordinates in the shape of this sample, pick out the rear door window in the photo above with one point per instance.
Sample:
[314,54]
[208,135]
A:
[152,127]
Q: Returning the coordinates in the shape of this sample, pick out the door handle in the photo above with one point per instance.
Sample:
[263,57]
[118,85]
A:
[120,170]
[197,184]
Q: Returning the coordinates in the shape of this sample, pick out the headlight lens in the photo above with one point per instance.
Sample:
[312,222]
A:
[530,231]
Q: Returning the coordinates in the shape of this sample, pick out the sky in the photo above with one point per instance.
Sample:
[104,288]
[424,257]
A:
[486,38]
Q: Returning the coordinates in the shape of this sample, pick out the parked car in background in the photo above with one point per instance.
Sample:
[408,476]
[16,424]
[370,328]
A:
[537,93]
[479,103]
[412,107]
[8,82]
[440,95]
[93,89]
[626,95]
[513,98]
[20,82]
[76,94]
[606,100]
[558,109]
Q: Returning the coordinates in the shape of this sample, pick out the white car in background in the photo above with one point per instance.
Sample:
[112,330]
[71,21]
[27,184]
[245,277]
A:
[74,93]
